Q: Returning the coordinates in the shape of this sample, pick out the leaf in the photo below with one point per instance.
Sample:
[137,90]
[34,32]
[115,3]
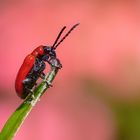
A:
[17,118]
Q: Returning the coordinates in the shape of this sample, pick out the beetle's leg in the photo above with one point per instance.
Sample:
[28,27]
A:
[29,90]
[49,84]
[27,81]
[45,58]
[30,96]
[29,93]
[55,62]
[42,75]
[35,84]
[39,66]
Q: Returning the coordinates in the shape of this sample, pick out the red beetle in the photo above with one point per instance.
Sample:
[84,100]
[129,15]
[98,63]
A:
[34,65]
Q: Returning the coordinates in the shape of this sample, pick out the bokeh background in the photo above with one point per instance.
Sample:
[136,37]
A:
[96,96]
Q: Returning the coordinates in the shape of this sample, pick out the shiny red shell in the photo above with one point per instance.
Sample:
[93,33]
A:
[25,69]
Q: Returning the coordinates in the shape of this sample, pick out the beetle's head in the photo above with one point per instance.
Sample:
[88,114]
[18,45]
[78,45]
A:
[49,51]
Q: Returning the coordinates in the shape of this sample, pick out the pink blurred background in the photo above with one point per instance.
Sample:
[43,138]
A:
[96,95]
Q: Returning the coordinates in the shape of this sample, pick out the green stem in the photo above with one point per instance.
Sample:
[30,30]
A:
[17,118]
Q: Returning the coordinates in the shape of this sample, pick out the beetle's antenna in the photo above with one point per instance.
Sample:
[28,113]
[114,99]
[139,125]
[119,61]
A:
[55,46]
[59,36]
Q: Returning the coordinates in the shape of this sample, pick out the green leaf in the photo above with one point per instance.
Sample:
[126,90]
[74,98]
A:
[17,118]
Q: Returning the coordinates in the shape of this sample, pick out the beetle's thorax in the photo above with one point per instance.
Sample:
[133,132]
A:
[38,51]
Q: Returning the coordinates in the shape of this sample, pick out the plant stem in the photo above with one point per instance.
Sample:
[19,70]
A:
[17,118]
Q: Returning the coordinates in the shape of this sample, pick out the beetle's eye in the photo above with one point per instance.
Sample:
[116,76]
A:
[47,49]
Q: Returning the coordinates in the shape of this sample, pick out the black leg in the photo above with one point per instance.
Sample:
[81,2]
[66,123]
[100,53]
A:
[29,90]
[42,75]
[26,81]
[55,62]
[49,84]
